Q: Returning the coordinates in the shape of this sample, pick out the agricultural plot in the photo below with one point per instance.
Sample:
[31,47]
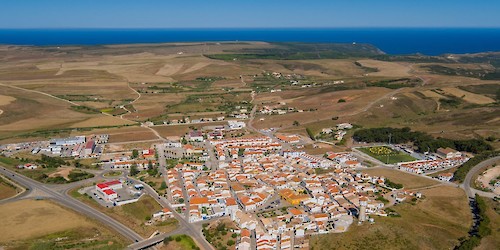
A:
[387,155]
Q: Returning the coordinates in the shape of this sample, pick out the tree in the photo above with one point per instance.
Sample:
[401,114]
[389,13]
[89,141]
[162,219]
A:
[135,153]
[341,100]
[163,185]
[150,165]
[78,164]
[133,170]
[241,151]
[181,200]
[296,123]
[230,242]
[167,240]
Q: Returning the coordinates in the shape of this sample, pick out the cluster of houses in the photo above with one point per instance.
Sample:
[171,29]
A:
[278,109]
[338,132]
[254,174]
[187,120]
[421,167]
[248,147]
[145,159]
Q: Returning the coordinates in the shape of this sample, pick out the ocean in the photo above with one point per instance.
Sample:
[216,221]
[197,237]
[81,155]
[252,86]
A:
[428,41]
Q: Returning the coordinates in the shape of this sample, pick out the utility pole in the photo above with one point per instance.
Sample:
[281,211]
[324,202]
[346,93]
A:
[390,135]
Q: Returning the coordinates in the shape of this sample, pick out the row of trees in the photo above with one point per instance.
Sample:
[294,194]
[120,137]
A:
[424,142]
[480,230]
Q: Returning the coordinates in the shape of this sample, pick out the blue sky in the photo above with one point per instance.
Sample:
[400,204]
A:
[247,13]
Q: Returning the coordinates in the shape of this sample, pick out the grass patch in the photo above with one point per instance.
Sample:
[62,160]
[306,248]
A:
[387,155]
[180,242]
[113,174]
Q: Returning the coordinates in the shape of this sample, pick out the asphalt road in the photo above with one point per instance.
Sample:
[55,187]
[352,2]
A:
[68,201]
[466,185]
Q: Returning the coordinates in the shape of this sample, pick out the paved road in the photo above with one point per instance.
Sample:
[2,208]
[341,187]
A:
[66,200]
[466,185]
[184,226]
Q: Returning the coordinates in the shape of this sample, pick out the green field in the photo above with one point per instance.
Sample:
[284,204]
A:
[388,156]
[180,241]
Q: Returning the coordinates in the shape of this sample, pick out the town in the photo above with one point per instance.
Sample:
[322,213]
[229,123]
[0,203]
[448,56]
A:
[276,194]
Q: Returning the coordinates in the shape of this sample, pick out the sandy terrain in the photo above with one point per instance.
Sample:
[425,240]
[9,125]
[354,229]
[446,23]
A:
[487,176]
[63,172]
[4,100]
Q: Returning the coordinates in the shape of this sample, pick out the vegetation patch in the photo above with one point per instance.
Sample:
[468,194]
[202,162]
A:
[422,141]
[180,242]
[85,109]
[481,228]
[387,155]
[395,83]
[221,234]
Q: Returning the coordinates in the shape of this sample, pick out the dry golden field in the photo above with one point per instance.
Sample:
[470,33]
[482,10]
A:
[25,224]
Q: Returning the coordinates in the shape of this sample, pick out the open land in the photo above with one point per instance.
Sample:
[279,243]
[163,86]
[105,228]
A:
[409,181]
[52,223]
[7,189]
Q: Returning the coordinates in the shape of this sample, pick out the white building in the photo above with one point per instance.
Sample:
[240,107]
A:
[234,125]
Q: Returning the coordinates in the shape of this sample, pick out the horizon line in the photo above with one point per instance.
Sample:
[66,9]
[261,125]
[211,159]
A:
[263,28]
